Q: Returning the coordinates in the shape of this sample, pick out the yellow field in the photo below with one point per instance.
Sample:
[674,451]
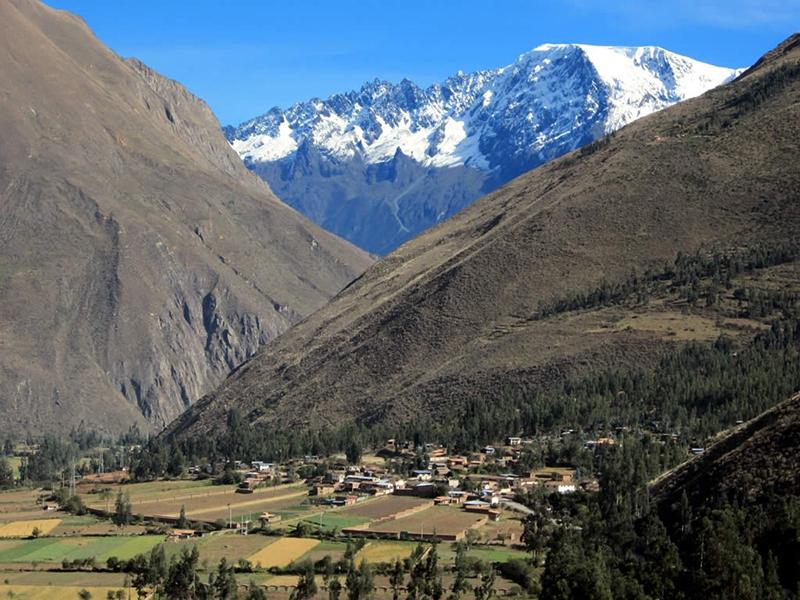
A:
[49,592]
[282,580]
[282,552]
[376,552]
[25,528]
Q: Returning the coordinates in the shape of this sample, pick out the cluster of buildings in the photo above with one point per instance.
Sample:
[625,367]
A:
[447,479]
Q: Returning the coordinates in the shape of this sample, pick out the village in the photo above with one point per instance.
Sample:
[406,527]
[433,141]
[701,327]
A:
[269,518]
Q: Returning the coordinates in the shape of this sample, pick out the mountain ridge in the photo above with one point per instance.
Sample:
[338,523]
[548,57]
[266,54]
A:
[450,316]
[457,139]
[139,260]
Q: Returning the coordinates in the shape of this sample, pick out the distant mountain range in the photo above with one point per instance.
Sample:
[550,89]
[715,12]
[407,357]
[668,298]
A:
[381,164]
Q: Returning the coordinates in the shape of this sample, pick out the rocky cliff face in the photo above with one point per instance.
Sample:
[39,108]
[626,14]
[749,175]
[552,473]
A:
[140,262]
[383,163]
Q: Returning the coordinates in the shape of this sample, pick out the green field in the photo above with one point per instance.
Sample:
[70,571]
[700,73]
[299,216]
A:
[335,520]
[54,550]
[498,554]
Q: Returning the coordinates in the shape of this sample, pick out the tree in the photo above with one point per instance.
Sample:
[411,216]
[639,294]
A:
[122,510]
[396,578]
[157,568]
[535,535]
[255,592]
[223,585]
[175,462]
[329,577]
[360,581]
[183,582]
[306,587]
[433,576]
[460,584]
[6,473]
[8,448]
[485,589]
[183,523]
[353,452]
[85,595]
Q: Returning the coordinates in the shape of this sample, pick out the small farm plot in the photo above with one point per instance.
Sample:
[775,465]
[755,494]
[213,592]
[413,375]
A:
[333,519]
[26,528]
[441,520]
[384,551]
[385,507]
[215,505]
[151,491]
[232,546]
[19,505]
[55,550]
[48,592]
[282,552]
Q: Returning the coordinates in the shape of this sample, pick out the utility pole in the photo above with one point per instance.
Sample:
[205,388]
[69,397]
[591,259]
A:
[230,518]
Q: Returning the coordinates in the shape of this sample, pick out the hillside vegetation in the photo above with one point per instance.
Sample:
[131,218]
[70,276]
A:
[572,269]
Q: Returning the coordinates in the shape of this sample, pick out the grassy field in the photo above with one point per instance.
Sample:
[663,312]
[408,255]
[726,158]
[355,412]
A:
[498,554]
[26,528]
[334,519]
[48,592]
[72,525]
[19,505]
[326,548]
[282,552]
[212,548]
[439,519]
[201,500]
[383,551]
[152,491]
[54,550]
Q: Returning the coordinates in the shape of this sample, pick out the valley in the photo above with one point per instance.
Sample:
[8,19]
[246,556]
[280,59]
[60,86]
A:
[529,332]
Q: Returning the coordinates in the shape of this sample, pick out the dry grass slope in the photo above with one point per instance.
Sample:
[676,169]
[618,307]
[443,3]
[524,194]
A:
[139,260]
[446,317]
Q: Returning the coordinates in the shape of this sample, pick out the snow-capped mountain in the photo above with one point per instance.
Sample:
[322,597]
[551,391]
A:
[383,163]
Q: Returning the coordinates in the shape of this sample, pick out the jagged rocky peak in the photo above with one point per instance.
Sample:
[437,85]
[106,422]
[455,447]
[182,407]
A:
[495,124]
[540,94]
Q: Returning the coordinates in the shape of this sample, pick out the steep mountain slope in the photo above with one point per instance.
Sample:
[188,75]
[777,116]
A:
[451,315]
[381,164]
[139,260]
[757,458]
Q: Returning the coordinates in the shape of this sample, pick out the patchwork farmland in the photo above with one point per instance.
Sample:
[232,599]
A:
[207,503]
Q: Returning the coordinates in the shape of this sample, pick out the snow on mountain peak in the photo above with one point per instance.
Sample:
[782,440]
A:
[550,100]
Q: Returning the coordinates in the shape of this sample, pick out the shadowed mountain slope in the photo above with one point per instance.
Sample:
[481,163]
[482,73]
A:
[451,315]
[139,260]
[758,458]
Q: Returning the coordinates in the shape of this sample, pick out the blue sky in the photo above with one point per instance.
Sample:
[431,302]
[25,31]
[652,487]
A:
[245,56]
